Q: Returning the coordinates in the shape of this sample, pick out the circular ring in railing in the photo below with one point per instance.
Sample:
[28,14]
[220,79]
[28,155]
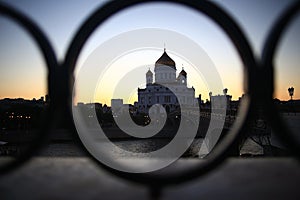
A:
[220,17]
[281,129]
[51,63]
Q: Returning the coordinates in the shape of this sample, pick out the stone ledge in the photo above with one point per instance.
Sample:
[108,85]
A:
[81,178]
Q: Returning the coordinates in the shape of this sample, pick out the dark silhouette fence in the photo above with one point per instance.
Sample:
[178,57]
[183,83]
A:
[259,85]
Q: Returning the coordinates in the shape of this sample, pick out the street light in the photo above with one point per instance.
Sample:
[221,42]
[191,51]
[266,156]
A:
[291,92]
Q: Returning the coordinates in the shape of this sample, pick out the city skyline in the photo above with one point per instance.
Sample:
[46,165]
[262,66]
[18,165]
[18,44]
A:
[26,75]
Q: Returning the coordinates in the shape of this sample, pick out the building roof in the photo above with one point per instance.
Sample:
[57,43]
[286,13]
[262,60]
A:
[183,73]
[165,60]
[149,73]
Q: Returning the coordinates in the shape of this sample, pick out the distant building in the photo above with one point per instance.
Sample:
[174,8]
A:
[47,98]
[160,90]
[116,103]
[106,109]
[221,101]
[116,106]
[80,104]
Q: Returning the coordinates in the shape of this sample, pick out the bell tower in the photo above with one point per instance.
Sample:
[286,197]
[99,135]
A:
[149,77]
[182,77]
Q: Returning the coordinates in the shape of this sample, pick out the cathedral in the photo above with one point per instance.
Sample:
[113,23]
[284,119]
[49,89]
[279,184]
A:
[161,91]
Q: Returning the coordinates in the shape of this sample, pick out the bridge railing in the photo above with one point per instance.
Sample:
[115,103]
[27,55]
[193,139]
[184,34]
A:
[259,85]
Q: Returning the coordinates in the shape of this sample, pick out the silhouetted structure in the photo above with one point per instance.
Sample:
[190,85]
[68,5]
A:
[291,92]
[166,84]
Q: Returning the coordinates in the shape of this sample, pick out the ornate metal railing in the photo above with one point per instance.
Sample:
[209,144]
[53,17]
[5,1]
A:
[259,84]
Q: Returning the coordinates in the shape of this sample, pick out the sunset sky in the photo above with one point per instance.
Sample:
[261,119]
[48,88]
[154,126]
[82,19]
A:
[23,72]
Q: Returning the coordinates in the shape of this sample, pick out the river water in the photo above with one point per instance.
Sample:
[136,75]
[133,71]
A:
[123,148]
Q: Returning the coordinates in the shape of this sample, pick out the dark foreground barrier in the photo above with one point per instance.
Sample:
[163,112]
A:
[259,85]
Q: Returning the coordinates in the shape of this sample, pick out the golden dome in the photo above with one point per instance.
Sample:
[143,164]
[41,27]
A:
[165,60]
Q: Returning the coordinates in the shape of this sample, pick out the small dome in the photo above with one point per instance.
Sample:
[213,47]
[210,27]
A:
[183,73]
[149,73]
[165,60]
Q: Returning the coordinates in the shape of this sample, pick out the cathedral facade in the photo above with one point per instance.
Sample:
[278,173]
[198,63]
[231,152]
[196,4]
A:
[165,85]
